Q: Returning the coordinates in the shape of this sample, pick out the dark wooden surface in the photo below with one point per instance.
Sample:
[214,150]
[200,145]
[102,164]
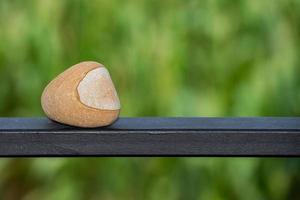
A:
[153,137]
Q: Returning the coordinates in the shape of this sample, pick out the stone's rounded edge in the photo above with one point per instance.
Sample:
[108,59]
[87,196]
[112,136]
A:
[60,101]
[110,118]
[96,90]
[104,118]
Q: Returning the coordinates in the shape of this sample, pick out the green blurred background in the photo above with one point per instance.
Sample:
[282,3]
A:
[167,58]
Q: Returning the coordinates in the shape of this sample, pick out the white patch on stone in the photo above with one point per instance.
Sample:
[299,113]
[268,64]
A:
[97,90]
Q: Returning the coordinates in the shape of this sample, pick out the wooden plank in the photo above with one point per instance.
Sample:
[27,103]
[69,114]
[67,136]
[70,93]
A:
[153,137]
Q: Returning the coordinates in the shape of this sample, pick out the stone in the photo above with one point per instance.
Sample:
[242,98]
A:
[83,96]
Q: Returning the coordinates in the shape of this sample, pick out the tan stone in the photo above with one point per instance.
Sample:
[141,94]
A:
[83,96]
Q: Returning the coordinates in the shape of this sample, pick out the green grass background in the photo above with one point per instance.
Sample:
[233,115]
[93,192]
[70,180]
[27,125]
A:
[167,58]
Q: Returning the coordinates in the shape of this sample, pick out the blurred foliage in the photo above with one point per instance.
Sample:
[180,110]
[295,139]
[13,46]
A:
[167,58]
[150,178]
